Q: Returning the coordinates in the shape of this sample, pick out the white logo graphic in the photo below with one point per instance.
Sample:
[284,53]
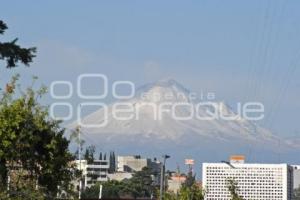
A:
[252,111]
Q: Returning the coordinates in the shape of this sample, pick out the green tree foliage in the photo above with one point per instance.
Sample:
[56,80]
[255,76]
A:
[190,190]
[139,186]
[110,190]
[12,53]
[194,192]
[28,192]
[75,137]
[190,180]
[297,194]
[170,196]
[89,154]
[142,181]
[32,142]
[233,189]
[112,162]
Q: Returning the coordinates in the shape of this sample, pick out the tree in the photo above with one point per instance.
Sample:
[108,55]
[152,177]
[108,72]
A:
[190,179]
[111,190]
[100,156]
[139,186]
[91,192]
[194,192]
[112,162]
[170,196]
[118,189]
[75,136]
[27,191]
[142,181]
[233,189]
[33,143]
[12,53]
[297,194]
[89,154]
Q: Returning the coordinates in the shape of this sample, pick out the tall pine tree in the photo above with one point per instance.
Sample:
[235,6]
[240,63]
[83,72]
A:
[12,53]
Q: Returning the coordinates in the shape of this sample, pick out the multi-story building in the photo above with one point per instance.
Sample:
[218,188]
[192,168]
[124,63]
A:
[253,181]
[97,171]
[135,163]
[175,181]
[120,176]
[128,165]
[101,170]
[296,173]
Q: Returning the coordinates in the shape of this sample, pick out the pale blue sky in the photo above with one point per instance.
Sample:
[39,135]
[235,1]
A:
[241,50]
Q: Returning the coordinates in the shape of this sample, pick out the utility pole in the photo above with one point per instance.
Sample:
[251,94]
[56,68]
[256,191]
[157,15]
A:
[100,191]
[162,176]
[79,157]
[8,180]
[161,180]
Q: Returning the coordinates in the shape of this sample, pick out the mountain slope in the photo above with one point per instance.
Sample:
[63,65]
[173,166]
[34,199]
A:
[146,133]
[145,119]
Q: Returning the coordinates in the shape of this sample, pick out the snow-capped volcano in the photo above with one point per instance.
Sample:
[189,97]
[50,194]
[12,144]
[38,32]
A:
[145,124]
[167,110]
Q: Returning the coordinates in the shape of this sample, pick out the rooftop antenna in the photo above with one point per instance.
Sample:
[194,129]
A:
[178,169]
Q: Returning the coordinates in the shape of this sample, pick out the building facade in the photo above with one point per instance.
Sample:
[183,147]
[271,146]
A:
[97,171]
[254,181]
[175,182]
[296,173]
[120,176]
[133,164]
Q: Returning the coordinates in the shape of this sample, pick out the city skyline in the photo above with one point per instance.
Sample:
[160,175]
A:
[160,100]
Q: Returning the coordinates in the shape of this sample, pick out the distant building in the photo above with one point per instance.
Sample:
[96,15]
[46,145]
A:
[93,172]
[120,176]
[175,182]
[237,159]
[135,163]
[296,172]
[101,170]
[254,181]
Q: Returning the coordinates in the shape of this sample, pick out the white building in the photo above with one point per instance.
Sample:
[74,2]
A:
[175,182]
[120,176]
[94,172]
[296,173]
[254,181]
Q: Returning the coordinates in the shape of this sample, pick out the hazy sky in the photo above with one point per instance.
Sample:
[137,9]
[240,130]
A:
[241,50]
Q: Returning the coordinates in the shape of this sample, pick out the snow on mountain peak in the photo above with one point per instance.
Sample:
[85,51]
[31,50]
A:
[143,122]
[163,90]
[142,132]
